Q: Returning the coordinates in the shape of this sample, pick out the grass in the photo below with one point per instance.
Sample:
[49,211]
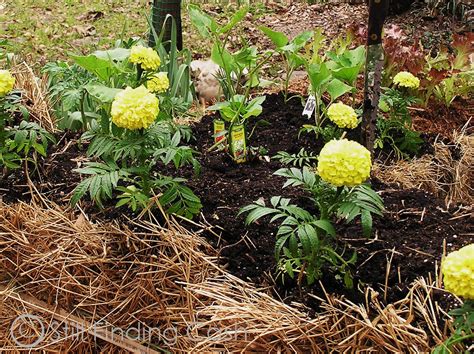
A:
[46,30]
[43,30]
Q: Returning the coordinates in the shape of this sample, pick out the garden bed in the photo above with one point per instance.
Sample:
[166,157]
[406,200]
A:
[408,242]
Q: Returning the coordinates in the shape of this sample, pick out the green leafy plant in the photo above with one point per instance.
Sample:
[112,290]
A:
[306,241]
[332,74]
[28,137]
[130,150]
[289,50]
[463,329]
[140,153]
[21,142]
[177,64]
[396,130]
[449,75]
[238,75]
[302,158]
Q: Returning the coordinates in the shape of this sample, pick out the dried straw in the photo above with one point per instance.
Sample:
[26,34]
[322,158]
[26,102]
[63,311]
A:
[168,278]
[448,173]
[34,95]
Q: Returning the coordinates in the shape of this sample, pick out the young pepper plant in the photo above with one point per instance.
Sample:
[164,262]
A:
[333,73]
[289,50]
[238,75]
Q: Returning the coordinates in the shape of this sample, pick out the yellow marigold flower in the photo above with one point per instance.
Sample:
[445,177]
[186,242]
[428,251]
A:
[7,81]
[158,83]
[406,79]
[146,57]
[458,271]
[342,115]
[134,108]
[344,163]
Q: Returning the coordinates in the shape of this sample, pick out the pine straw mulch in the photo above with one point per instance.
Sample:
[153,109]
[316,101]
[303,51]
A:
[34,91]
[447,173]
[58,265]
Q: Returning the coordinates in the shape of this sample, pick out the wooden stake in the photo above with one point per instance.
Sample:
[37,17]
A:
[378,10]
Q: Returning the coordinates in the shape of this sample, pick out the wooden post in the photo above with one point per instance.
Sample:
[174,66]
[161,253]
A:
[378,10]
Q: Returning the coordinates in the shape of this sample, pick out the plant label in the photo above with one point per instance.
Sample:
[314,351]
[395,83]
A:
[238,144]
[309,107]
[219,126]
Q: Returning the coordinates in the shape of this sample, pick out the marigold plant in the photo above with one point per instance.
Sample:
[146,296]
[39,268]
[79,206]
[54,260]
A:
[458,271]
[158,83]
[7,81]
[134,108]
[342,115]
[344,163]
[406,79]
[146,57]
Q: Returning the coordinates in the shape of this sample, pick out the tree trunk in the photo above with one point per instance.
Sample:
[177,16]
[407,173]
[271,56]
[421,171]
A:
[162,8]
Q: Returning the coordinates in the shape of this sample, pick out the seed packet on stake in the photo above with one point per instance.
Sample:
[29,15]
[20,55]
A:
[220,134]
[238,144]
[219,126]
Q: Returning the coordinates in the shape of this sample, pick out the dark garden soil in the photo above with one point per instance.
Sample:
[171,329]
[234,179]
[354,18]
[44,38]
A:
[408,240]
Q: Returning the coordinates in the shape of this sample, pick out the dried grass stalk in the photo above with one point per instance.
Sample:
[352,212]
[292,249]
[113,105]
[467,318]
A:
[168,278]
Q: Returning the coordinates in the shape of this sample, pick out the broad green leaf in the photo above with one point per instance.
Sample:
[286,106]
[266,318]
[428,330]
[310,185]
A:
[223,58]
[298,42]
[337,88]
[102,93]
[80,190]
[254,108]
[348,74]
[236,18]
[366,221]
[325,225]
[289,269]
[102,68]
[275,201]
[305,240]
[319,75]
[117,54]
[256,214]
[278,38]
[203,22]
[279,245]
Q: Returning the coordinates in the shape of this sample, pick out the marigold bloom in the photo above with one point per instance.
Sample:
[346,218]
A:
[344,163]
[458,272]
[342,115]
[146,57]
[7,81]
[134,108]
[406,79]
[158,83]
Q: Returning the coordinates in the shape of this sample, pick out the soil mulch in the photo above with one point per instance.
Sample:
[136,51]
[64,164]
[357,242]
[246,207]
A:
[436,118]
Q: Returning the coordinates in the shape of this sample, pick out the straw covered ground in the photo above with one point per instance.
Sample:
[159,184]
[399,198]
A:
[64,269]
